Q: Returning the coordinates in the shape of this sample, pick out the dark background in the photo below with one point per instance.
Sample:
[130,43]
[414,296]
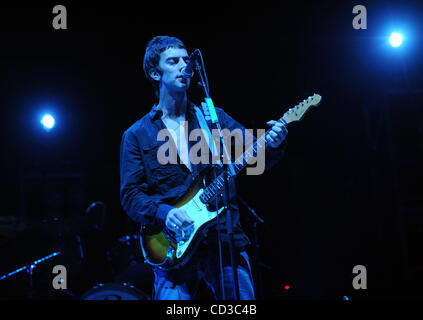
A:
[348,192]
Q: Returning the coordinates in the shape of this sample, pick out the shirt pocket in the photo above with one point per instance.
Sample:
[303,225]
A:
[160,177]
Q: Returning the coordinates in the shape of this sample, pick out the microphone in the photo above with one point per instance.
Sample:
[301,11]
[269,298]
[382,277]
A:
[188,71]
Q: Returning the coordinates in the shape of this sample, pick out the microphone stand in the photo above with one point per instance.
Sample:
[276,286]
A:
[227,167]
[257,262]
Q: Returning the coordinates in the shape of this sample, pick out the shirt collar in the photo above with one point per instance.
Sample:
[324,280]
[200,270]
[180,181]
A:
[155,113]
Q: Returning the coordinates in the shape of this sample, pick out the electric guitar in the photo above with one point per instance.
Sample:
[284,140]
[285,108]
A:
[162,247]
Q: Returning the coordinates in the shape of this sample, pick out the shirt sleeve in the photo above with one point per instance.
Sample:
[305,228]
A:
[138,204]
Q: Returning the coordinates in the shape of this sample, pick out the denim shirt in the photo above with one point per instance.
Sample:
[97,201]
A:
[148,188]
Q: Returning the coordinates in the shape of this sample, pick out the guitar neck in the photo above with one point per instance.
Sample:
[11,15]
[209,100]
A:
[217,185]
[293,114]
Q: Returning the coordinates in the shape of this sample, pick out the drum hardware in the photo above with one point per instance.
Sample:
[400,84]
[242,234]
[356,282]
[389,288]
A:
[29,268]
[115,291]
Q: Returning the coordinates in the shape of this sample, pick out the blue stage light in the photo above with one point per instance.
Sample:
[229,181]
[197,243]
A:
[395,39]
[48,122]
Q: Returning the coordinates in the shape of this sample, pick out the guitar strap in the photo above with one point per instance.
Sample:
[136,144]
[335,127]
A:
[204,121]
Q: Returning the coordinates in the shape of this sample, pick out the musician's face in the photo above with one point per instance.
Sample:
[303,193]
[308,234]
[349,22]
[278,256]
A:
[171,63]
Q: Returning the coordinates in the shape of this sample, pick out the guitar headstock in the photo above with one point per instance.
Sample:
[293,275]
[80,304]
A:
[297,112]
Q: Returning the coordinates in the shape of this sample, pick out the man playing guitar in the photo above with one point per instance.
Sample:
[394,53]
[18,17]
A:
[149,188]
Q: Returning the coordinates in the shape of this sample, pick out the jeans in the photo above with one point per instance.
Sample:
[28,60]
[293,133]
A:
[183,283]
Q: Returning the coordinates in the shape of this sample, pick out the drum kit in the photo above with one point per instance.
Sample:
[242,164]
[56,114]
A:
[99,267]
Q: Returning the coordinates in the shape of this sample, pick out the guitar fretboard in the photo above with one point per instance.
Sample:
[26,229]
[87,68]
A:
[217,185]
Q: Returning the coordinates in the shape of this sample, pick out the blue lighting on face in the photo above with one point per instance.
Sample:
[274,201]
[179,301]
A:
[48,122]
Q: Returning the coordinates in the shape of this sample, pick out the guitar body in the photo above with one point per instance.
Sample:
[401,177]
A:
[160,247]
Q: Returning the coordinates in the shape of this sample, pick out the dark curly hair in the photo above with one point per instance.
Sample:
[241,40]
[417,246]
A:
[152,55]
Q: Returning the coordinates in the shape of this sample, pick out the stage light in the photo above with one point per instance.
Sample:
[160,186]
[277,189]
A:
[48,122]
[395,39]
[287,287]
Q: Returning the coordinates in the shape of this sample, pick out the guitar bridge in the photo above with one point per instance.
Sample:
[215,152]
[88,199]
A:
[169,235]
